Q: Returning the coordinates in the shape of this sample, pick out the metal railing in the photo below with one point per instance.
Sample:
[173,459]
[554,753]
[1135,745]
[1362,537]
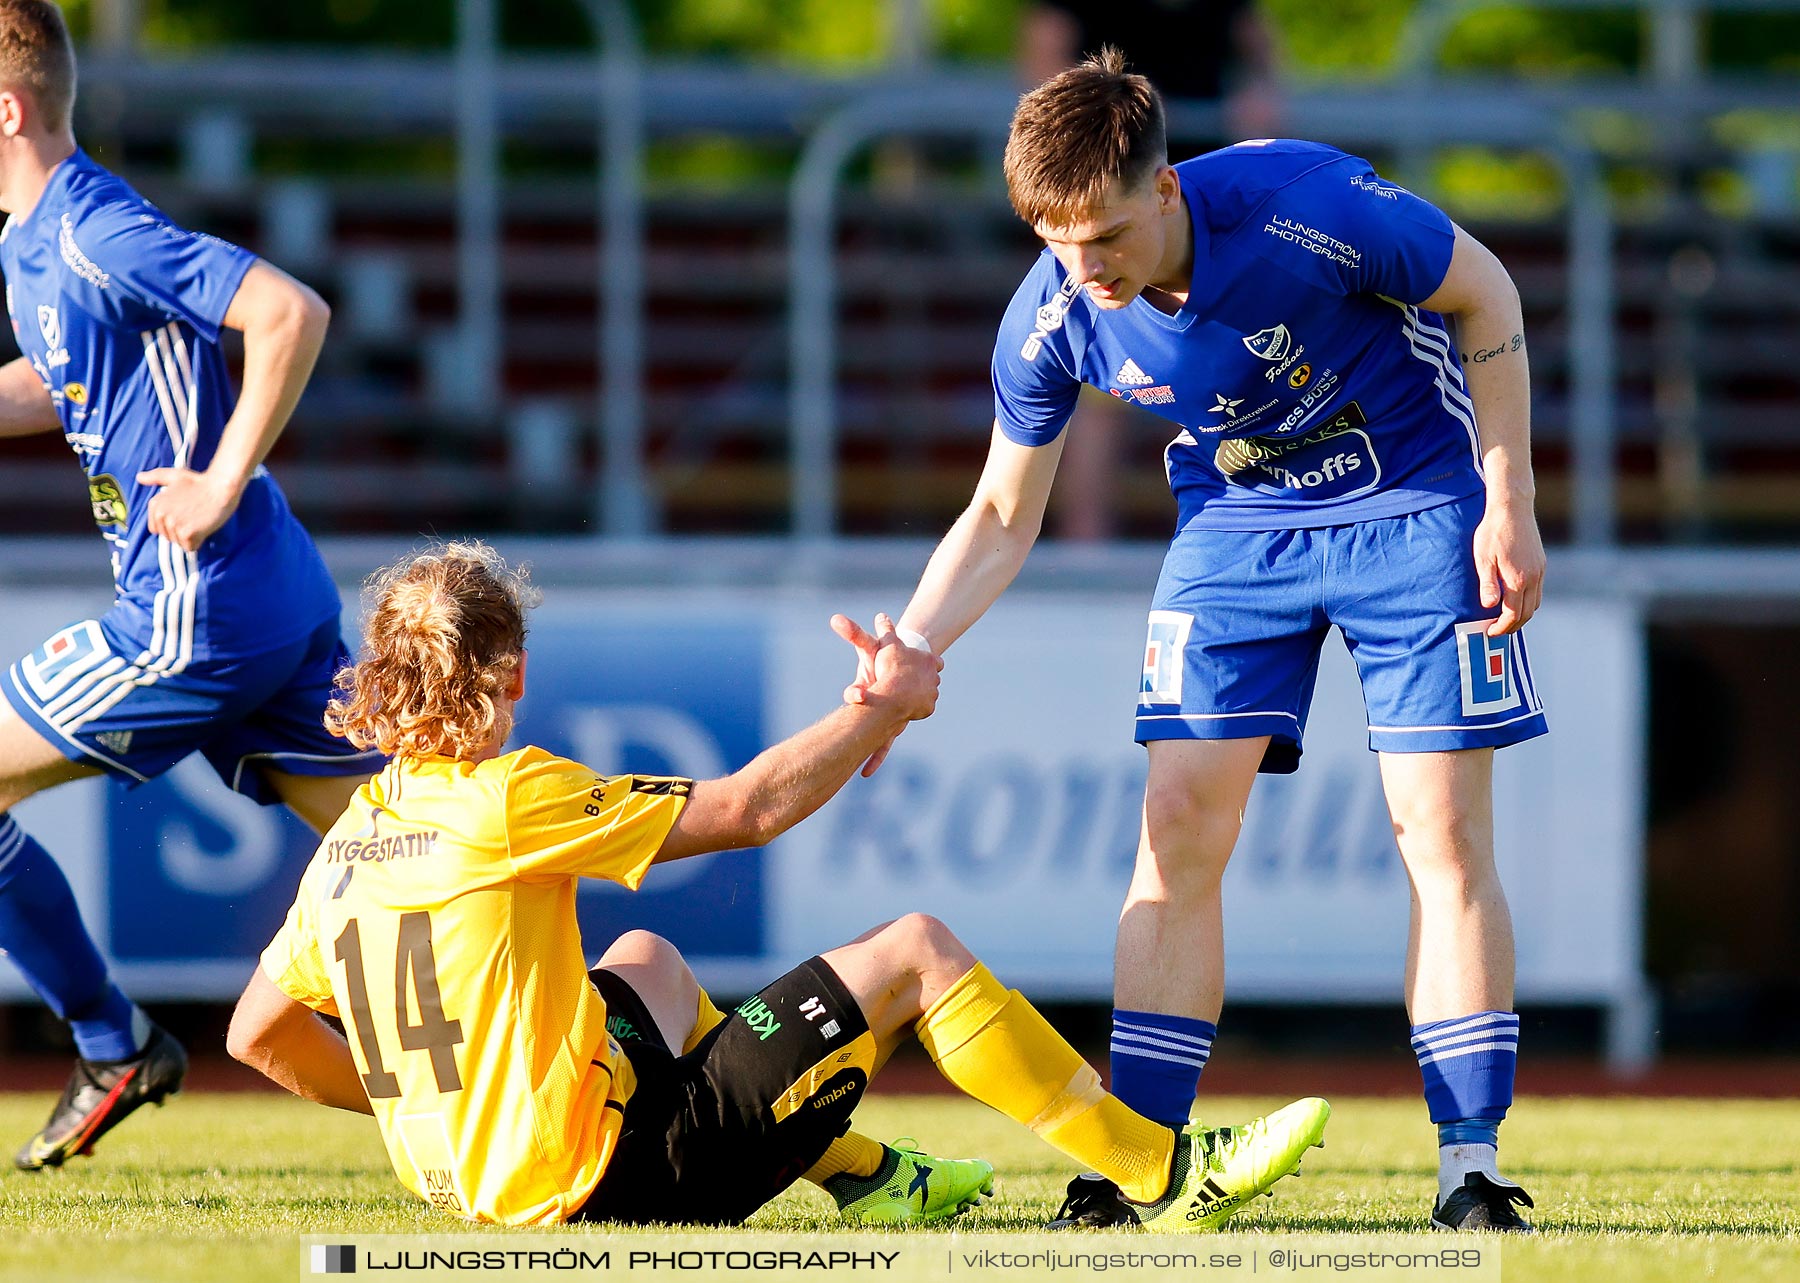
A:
[626,101]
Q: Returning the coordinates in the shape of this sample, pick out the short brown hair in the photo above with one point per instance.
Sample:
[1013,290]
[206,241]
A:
[1078,132]
[443,640]
[36,55]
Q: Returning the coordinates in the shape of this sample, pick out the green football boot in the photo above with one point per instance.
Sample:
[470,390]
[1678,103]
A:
[1220,1169]
[911,1188]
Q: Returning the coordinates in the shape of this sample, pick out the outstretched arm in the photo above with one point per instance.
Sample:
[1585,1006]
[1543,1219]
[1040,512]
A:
[985,548]
[979,557]
[285,1042]
[783,785]
[283,323]
[1490,330]
[25,407]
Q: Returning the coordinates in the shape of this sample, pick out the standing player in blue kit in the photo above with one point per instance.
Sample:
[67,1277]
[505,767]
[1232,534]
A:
[223,634]
[1336,464]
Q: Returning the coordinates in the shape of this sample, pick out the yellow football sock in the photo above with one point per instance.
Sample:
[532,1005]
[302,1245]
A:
[851,1154]
[706,1016]
[994,1045]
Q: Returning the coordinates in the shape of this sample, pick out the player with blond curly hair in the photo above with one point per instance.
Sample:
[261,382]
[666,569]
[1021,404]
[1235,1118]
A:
[514,1085]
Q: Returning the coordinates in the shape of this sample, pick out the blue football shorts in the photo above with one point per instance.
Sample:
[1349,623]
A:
[80,691]
[1239,616]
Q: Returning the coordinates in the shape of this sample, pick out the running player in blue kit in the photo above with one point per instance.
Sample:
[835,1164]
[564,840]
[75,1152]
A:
[223,635]
[1335,463]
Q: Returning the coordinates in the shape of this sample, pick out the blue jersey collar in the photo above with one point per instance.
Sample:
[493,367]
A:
[1190,310]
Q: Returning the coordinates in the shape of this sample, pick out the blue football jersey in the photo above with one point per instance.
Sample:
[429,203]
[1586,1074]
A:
[119,312]
[1309,387]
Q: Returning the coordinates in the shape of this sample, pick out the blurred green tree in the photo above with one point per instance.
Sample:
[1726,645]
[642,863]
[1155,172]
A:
[1344,40]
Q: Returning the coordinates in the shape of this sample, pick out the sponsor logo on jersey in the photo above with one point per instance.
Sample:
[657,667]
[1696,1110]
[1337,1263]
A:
[75,393]
[1331,461]
[400,846]
[367,844]
[79,263]
[1300,377]
[1050,318]
[1236,420]
[1375,187]
[108,500]
[1313,241]
[1489,684]
[115,741]
[1315,397]
[1161,394]
[1131,376]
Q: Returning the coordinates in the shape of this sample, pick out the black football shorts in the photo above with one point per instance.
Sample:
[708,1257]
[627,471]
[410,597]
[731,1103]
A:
[711,1136]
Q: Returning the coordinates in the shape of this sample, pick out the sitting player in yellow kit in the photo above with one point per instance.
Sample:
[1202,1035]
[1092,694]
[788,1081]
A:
[437,920]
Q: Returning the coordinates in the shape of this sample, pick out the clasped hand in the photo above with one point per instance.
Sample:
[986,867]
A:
[889,673]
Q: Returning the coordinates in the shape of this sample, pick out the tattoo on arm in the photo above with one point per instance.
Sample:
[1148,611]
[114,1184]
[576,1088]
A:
[1483,355]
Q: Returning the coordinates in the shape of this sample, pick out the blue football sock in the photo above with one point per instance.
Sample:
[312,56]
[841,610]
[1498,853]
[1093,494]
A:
[41,930]
[1467,1065]
[1156,1063]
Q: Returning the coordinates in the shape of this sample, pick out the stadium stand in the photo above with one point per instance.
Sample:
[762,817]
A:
[399,433]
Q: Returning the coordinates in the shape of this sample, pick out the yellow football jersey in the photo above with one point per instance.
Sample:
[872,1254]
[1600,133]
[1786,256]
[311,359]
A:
[437,920]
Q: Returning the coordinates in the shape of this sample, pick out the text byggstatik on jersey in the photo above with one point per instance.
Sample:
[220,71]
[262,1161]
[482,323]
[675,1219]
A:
[398,846]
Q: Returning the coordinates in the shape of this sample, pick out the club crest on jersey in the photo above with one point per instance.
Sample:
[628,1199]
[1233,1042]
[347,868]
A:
[1272,344]
[50,324]
[1489,682]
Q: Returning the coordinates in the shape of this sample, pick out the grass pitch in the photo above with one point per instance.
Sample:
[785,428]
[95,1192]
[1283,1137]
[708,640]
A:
[220,1187]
